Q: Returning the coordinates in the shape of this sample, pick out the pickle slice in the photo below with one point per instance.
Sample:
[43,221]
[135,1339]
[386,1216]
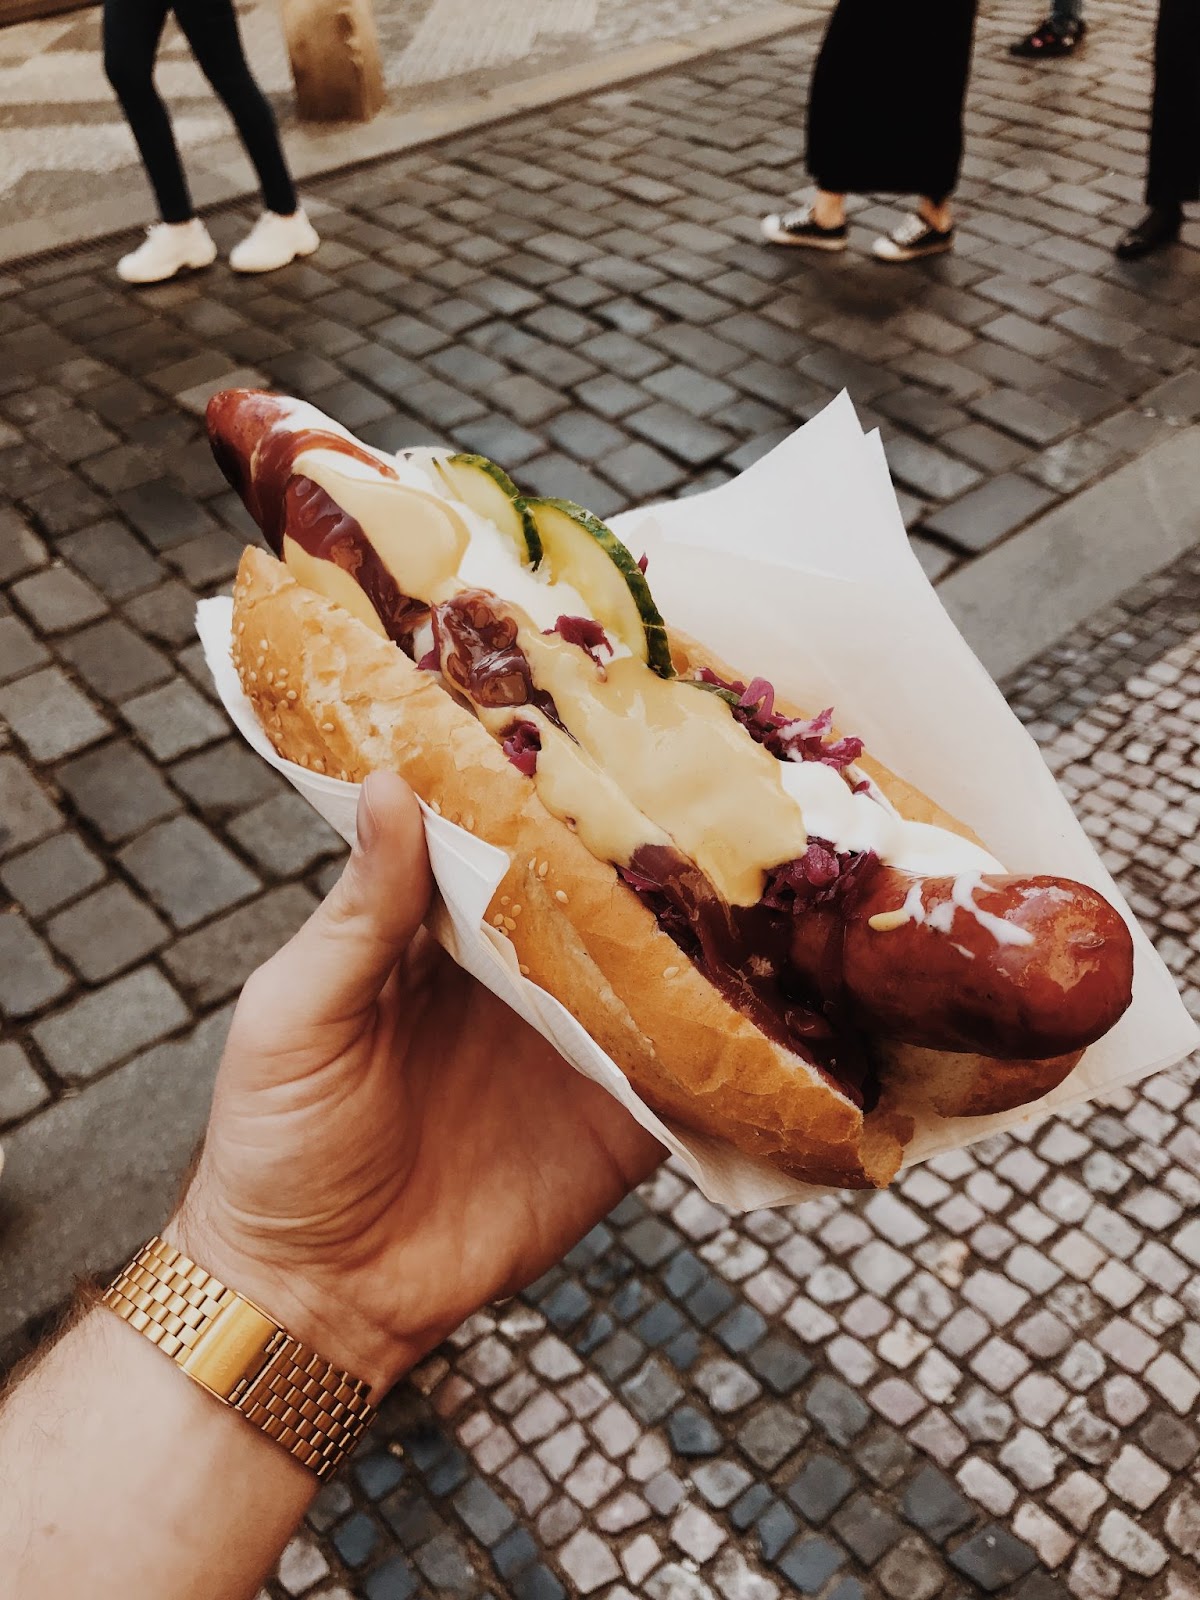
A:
[580,550]
[487,489]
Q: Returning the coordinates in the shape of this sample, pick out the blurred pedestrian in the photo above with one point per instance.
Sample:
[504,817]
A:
[1174,172]
[1060,35]
[885,116]
[132,30]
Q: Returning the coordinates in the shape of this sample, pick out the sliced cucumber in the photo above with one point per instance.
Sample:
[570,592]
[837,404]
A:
[426,457]
[487,489]
[580,550]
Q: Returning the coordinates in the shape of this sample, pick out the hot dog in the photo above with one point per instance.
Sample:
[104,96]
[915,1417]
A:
[777,940]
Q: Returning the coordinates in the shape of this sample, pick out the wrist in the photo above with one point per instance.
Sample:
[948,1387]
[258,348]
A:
[308,1304]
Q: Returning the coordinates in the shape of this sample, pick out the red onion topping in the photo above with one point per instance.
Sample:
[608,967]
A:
[822,876]
[521,744]
[789,739]
[588,634]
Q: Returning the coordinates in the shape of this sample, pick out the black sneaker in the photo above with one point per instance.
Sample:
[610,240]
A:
[1158,227]
[1048,40]
[913,238]
[797,227]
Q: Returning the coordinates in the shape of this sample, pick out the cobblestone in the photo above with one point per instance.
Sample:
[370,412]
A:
[21,1090]
[1024,1315]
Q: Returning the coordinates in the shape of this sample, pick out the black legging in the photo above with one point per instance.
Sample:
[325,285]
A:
[1174,174]
[132,29]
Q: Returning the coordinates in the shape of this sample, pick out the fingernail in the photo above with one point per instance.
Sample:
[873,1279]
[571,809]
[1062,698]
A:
[366,823]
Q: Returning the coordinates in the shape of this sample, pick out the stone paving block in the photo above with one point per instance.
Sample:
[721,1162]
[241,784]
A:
[106,932]
[57,598]
[21,550]
[20,650]
[49,715]
[173,719]
[284,835]
[771,1435]
[819,1488]
[116,1151]
[51,873]
[112,559]
[26,811]
[983,517]
[162,514]
[21,1090]
[186,871]
[114,660]
[680,434]
[117,790]
[809,1563]
[100,1029]
[928,470]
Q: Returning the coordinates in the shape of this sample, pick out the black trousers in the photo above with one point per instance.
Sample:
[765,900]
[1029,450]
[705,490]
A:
[886,105]
[132,30]
[1174,174]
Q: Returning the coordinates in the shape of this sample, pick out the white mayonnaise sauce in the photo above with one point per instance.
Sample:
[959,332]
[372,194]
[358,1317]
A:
[859,822]
[491,562]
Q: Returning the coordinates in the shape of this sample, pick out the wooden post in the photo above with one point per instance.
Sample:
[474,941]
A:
[334,50]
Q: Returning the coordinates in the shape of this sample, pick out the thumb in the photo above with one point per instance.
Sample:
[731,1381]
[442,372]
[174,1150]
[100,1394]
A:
[333,969]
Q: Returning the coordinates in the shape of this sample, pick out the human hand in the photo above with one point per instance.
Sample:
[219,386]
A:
[389,1146]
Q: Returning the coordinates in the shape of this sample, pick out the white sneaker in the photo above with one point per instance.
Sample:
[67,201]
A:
[273,241]
[167,248]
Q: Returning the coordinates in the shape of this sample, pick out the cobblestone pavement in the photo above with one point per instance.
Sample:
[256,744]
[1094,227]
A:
[61,126]
[1000,1361]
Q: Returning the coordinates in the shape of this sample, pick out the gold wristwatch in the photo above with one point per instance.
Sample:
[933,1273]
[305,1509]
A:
[233,1349]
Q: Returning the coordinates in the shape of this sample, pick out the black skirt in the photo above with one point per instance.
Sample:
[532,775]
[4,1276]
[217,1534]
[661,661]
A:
[886,105]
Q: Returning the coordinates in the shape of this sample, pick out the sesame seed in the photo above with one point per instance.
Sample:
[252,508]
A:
[253,677]
[516,911]
[559,895]
[292,695]
[669,972]
[327,727]
[504,899]
[262,644]
[523,969]
[435,808]
[469,824]
[241,628]
[543,868]
[510,925]
[533,863]
[497,921]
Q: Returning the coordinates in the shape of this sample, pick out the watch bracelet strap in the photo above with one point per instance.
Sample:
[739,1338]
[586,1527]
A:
[241,1355]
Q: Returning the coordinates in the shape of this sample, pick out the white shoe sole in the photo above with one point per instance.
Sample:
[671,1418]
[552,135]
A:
[195,265]
[278,266]
[885,250]
[774,234]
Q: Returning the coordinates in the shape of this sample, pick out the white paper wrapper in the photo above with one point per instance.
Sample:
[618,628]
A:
[799,571]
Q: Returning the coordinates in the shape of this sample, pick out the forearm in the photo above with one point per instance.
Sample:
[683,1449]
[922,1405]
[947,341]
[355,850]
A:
[120,1476]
